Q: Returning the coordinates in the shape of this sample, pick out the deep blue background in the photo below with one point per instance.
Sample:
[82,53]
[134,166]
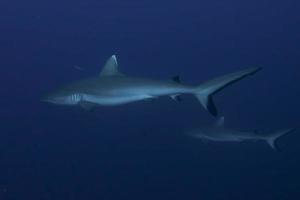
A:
[139,151]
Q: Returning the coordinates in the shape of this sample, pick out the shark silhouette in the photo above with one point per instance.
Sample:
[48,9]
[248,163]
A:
[111,88]
[219,133]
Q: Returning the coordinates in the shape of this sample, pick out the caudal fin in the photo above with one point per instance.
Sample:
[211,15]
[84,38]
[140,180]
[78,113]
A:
[205,91]
[273,137]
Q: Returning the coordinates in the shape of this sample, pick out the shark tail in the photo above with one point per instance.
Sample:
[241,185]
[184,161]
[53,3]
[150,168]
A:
[205,91]
[273,137]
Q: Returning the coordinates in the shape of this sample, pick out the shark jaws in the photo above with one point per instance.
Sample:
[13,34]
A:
[219,133]
[111,88]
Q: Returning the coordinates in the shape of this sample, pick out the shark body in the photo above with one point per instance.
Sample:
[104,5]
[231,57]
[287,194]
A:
[218,133]
[112,88]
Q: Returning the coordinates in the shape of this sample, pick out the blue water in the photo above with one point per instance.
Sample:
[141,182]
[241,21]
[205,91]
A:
[139,151]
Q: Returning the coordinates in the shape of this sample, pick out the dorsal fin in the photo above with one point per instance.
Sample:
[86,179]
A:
[220,122]
[176,79]
[111,67]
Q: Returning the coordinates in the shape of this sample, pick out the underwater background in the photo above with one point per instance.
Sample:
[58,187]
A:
[140,150]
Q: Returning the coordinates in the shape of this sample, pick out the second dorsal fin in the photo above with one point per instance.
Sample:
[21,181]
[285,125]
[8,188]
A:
[220,122]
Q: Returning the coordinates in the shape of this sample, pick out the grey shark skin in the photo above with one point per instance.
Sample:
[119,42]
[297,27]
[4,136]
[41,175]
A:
[112,88]
[219,133]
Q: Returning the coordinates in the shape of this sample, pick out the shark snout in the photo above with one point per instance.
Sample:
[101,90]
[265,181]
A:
[48,99]
[61,98]
[54,97]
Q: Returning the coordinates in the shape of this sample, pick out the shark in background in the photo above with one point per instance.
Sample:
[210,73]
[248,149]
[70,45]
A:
[219,133]
[111,88]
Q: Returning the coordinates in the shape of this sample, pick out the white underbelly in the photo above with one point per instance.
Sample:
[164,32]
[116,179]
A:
[114,100]
[223,139]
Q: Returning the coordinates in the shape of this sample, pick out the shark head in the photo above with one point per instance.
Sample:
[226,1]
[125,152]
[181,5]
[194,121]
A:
[198,133]
[215,132]
[63,97]
[74,93]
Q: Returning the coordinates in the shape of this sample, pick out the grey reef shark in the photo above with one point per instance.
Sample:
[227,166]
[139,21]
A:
[218,133]
[111,88]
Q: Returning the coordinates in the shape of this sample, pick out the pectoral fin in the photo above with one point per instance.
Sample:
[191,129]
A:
[176,97]
[87,105]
